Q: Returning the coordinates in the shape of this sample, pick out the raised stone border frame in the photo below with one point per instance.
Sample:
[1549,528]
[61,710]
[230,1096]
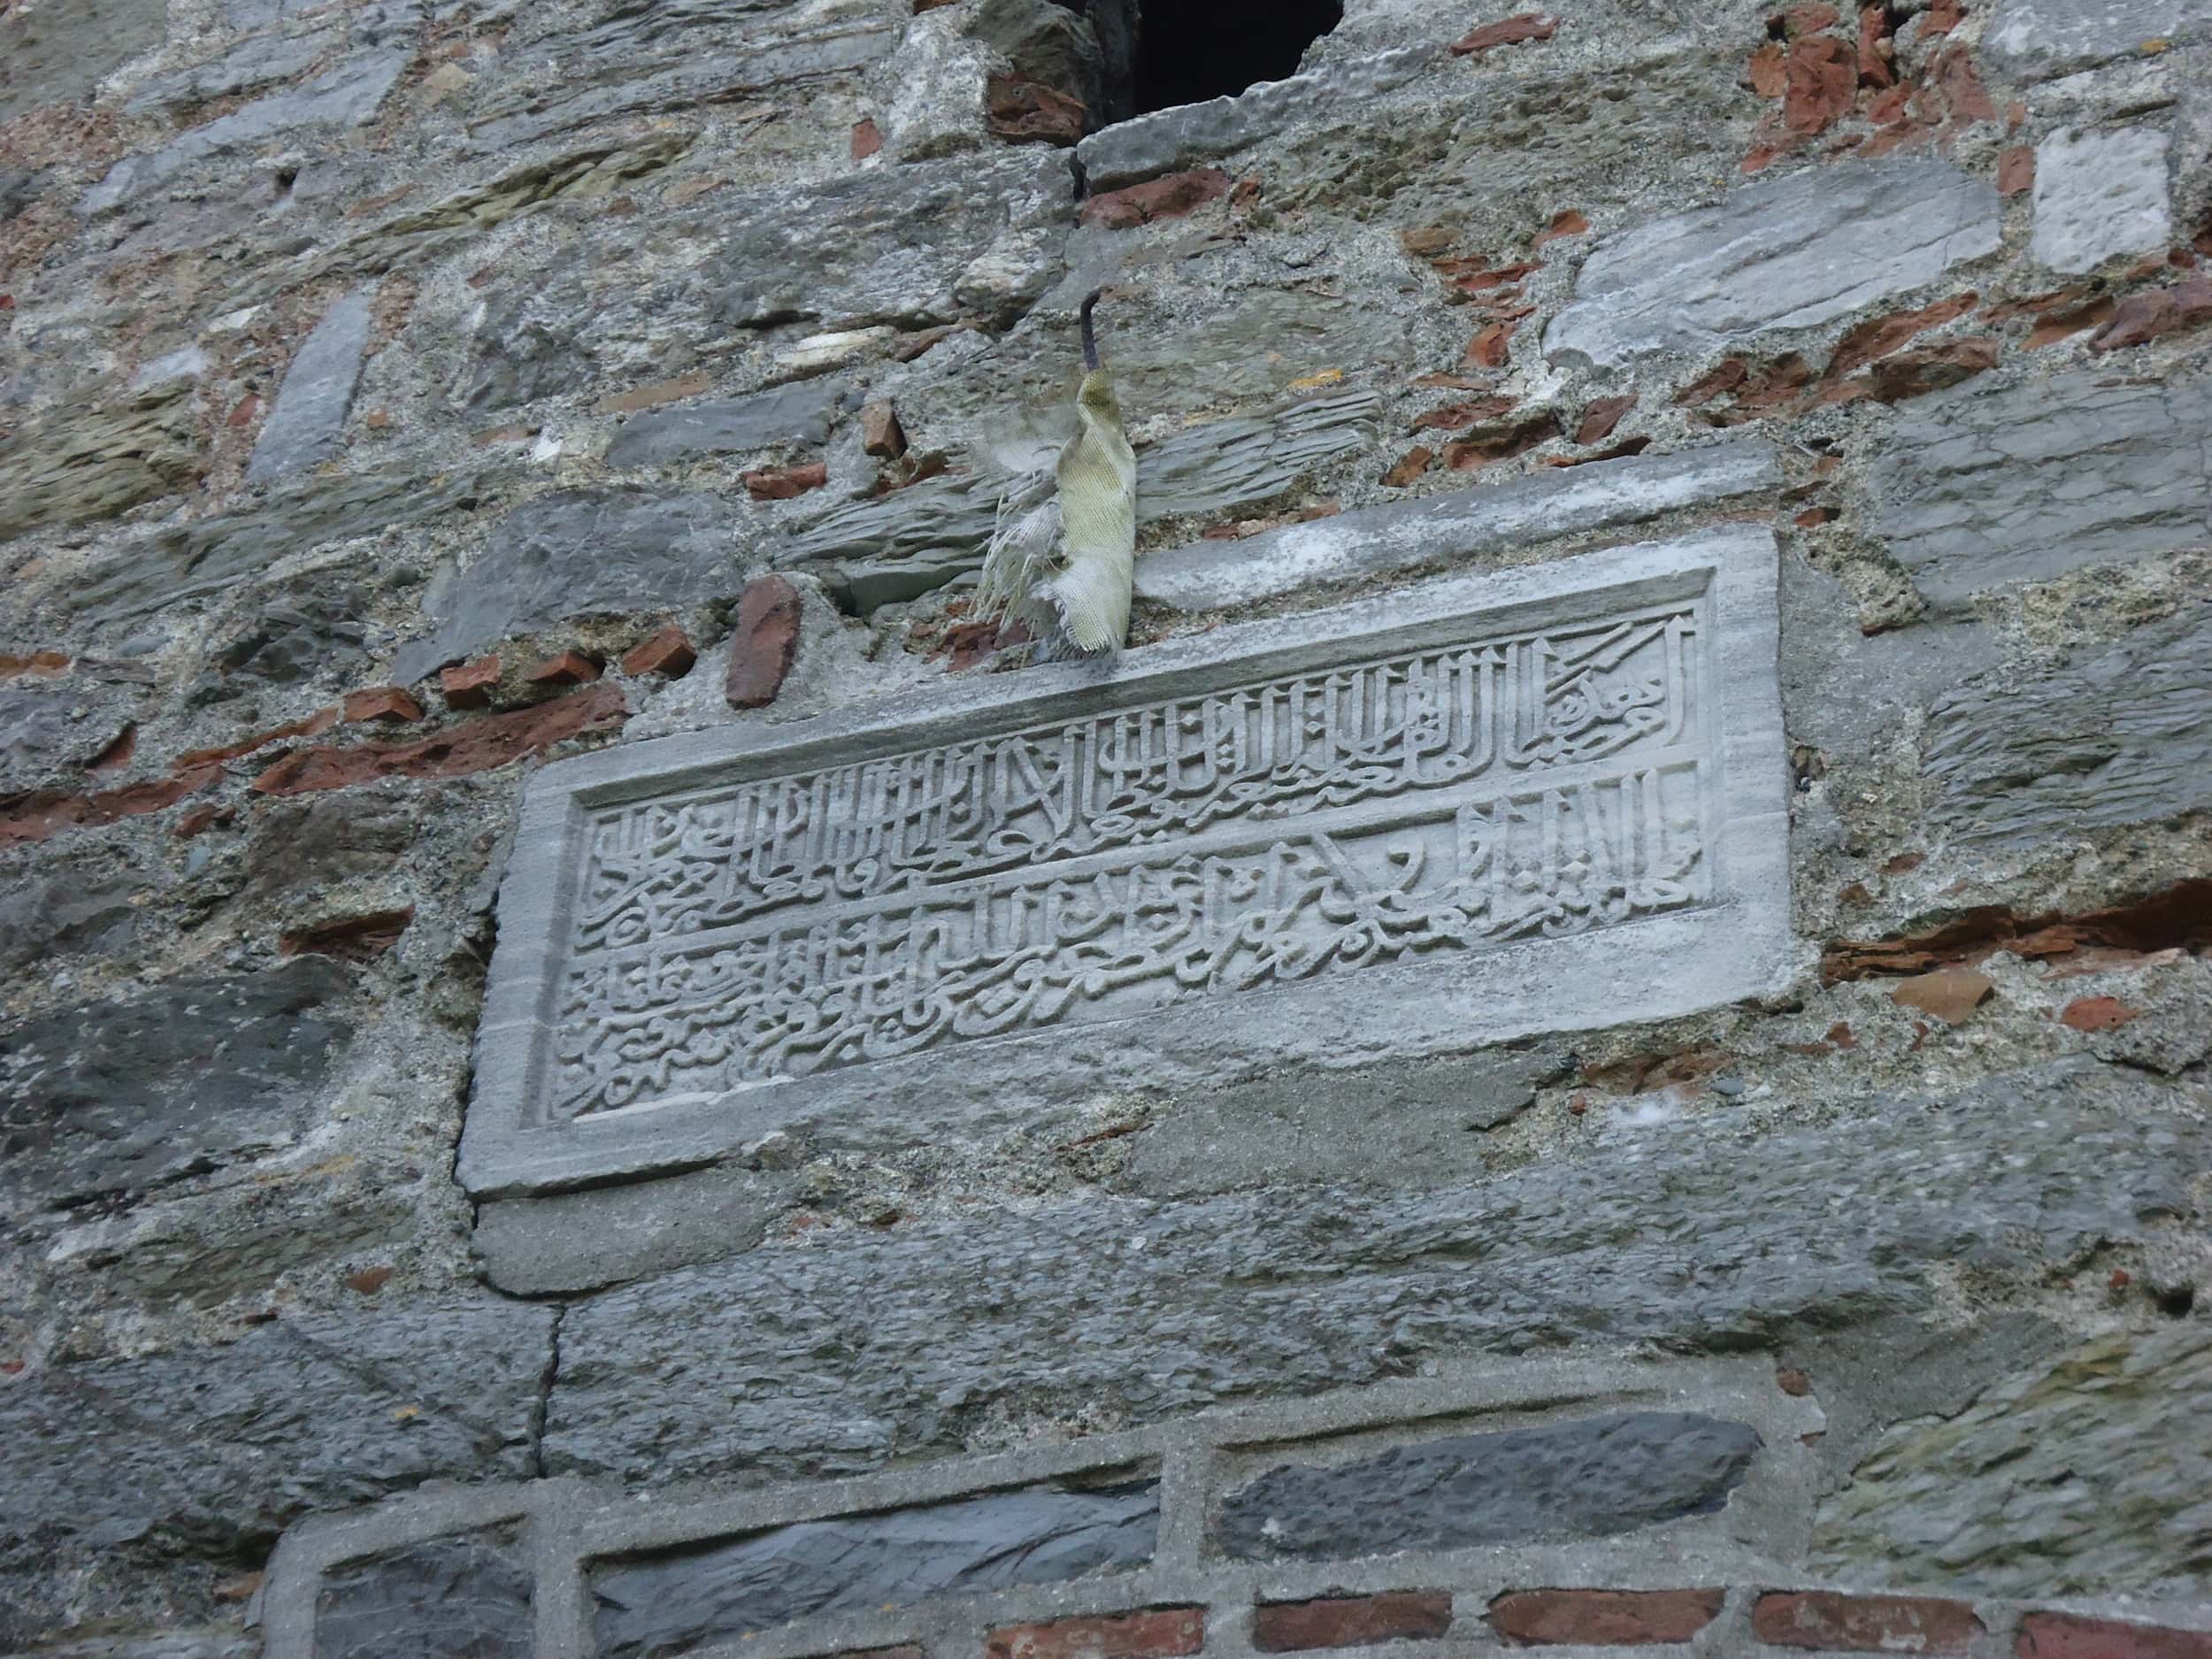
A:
[1735,944]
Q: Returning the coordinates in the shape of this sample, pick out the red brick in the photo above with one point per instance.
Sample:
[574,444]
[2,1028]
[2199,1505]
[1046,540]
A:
[2071,1636]
[1864,1623]
[1029,111]
[1501,443]
[2097,1013]
[867,138]
[314,726]
[782,483]
[1769,73]
[1823,84]
[570,668]
[356,938]
[1601,1618]
[2016,171]
[1410,466]
[1948,993]
[477,745]
[1528,26]
[1931,368]
[2142,317]
[1571,223]
[1876,49]
[1350,1621]
[43,814]
[470,686]
[881,433]
[1491,348]
[1168,198]
[765,639]
[1879,337]
[667,654]
[1453,417]
[1160,1633]
[1602,415]
[37,664]
[381,703]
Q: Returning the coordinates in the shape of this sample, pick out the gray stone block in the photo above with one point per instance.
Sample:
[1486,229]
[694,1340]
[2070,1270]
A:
[677,1600]
[1979,489]
[466,1597]
[228,1445]
[1539,800]
[1582,1478]
[310,418]
[1712,1228]
[1239,463]
[573,553]
[890,548]
[59,52]
[2033,40]
[560,1243]
[347,96]
[2084,1476]
[1402,537]
[1793,252]
[120,1096]
[799,414]
[2124,738]
[191,561]
[64,913]
[1190,134]
[2100,194]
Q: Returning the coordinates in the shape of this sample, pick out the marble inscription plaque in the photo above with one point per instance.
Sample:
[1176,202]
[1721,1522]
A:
[1477,808]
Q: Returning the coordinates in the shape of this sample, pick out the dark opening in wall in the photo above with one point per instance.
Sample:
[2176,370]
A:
[1190,50]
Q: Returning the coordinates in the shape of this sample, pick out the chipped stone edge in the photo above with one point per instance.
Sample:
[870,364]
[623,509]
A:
[1739,947]
[568,1523]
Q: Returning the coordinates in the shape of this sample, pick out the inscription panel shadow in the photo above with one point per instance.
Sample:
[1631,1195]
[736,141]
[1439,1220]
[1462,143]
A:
[1478,808]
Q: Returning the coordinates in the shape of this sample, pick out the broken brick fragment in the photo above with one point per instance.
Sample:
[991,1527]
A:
[36,664]
[1769,73]
[1500,443]
[355,937]
[1168,198]
[1454,417]
[880,433]
[380,703]
[479,745]
[1876,48]
[2142,317]
[1878,337]
[1029,111]
[867,138]
[1410,466]
[1948,993]
[569,668]
[1823,84]
[782,483]
[1601,416]
[1571,223]
[2097,1013]
[2016,171]
[667,654]
[1527,26]
[470,686]
[763,642]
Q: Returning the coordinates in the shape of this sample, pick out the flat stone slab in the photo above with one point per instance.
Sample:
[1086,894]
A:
[311,410]
[2032,40]
[1795,251]
[1980,490]
[1401,537]
[1545,800]
[2100,194]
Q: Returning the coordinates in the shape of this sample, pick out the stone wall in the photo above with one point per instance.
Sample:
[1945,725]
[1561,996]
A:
[413,412]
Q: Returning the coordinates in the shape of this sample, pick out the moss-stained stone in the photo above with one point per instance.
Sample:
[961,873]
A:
[2088,1476]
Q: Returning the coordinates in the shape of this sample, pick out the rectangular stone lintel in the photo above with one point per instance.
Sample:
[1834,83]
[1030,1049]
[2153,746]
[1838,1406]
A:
[1548,799]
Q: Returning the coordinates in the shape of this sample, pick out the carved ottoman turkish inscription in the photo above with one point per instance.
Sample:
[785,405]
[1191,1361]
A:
[1476,809]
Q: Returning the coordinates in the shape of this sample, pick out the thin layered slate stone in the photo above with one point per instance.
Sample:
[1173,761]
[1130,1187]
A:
[672,1602]
[2124,738]
[2086,1477]
[450,1598]
[2032,40]
[1413,822]
[1980,490]
[788,414]
[1585,1478]
[1795,252]
[1717,1230]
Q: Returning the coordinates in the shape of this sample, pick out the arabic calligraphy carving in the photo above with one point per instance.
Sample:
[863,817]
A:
[1525,786]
